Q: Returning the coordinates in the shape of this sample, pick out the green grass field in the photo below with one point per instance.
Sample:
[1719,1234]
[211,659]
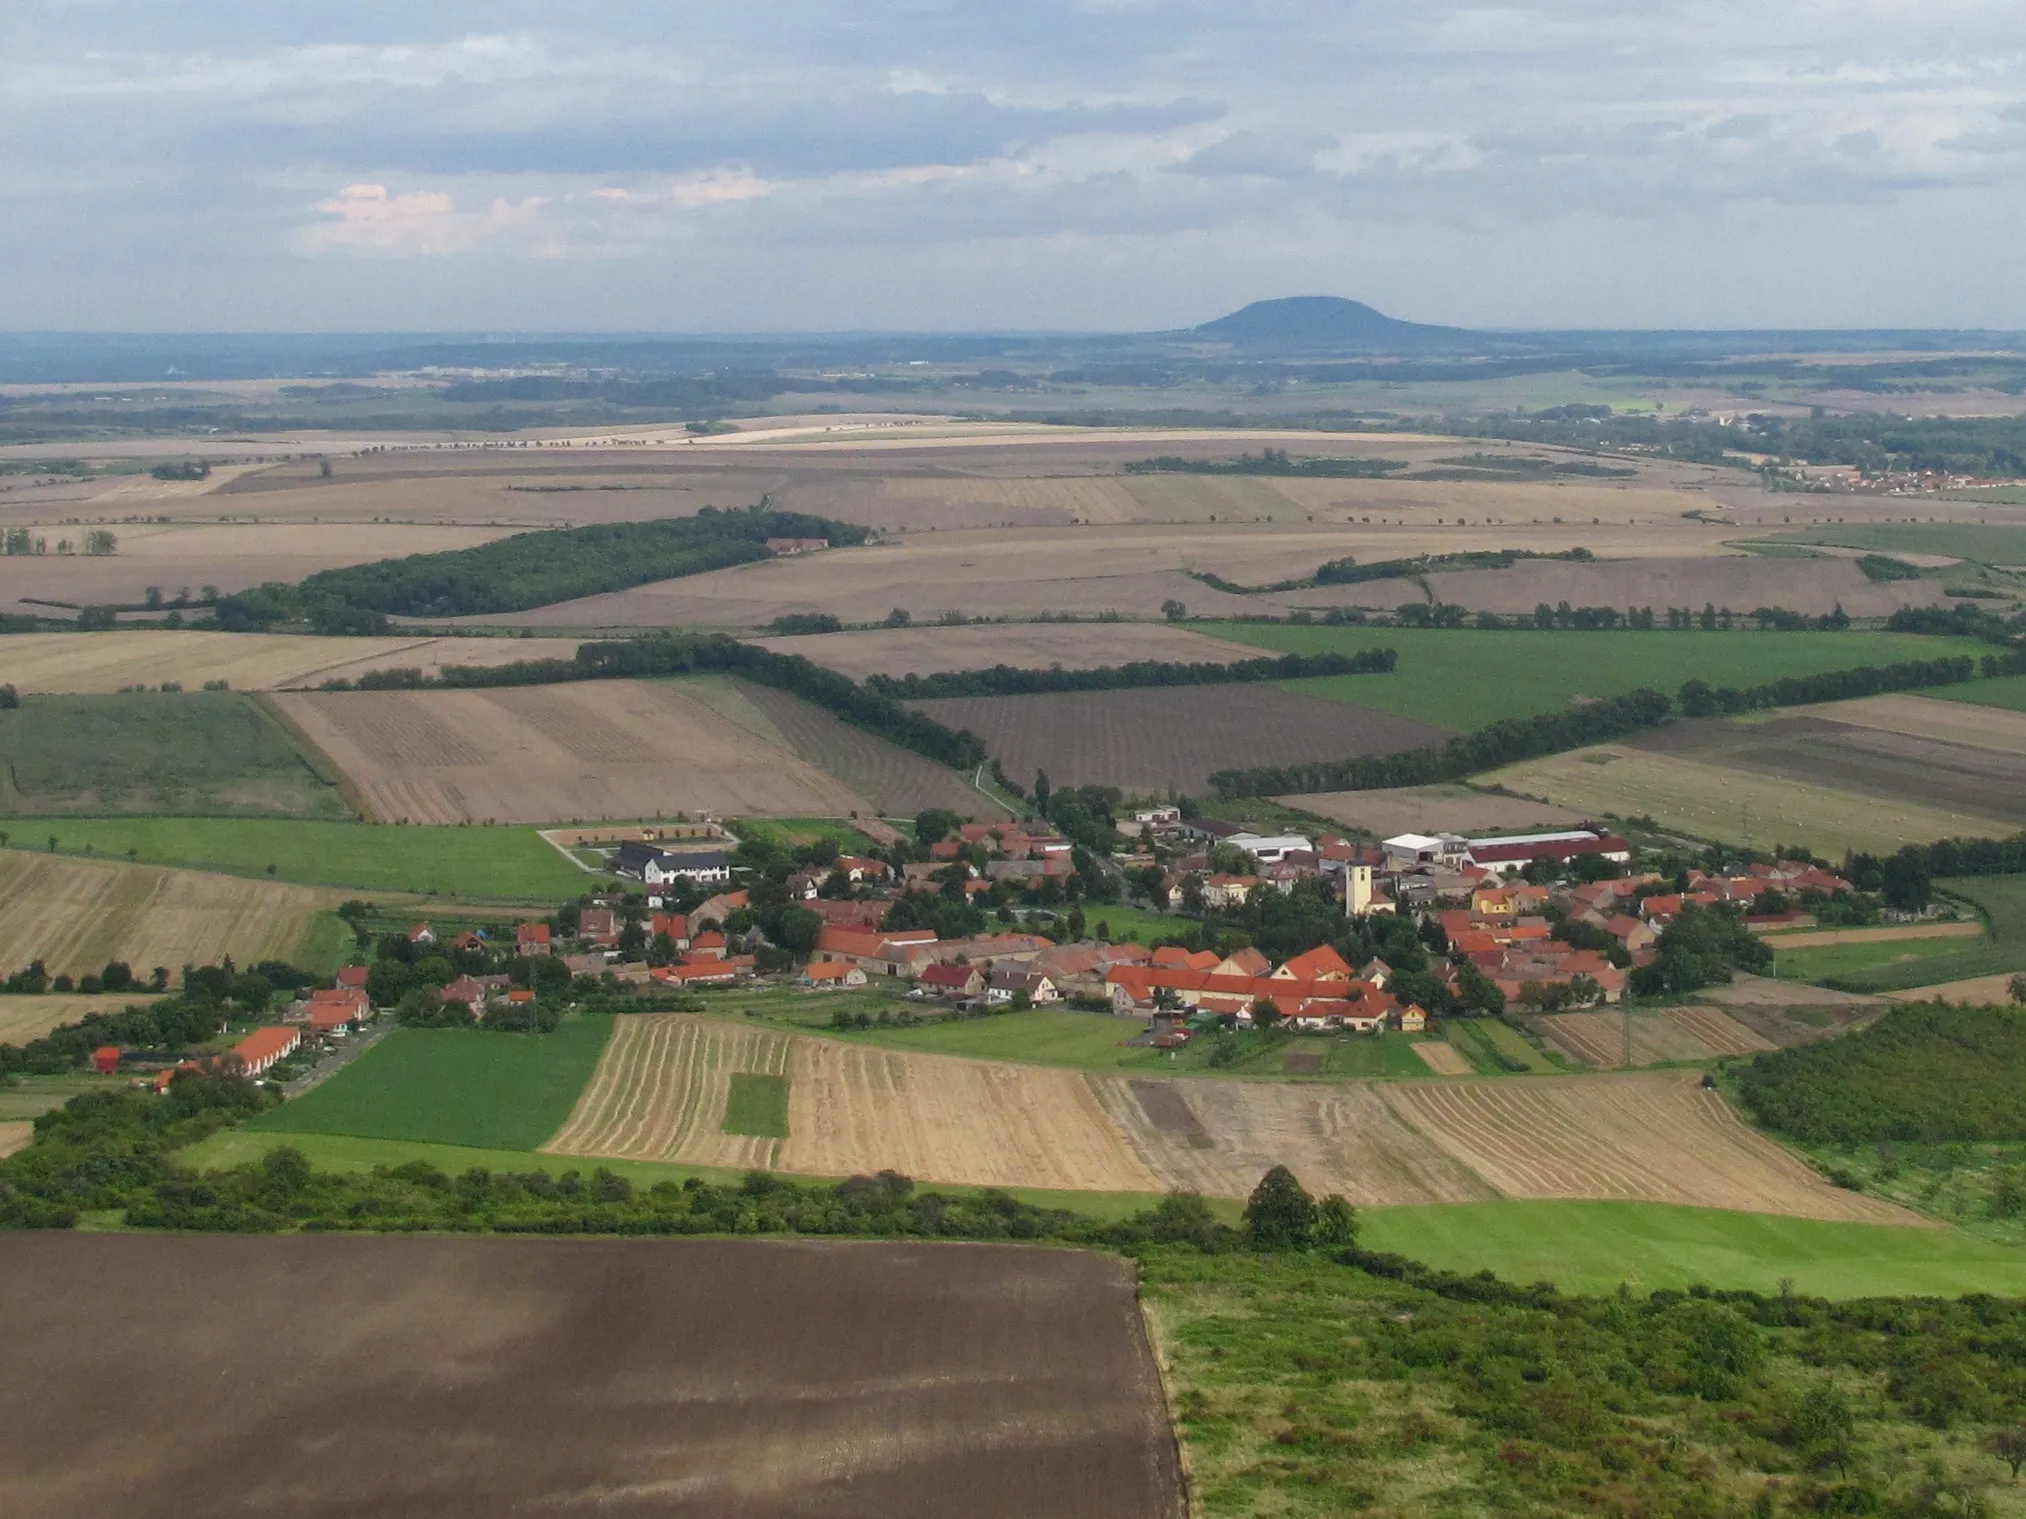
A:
[454,1086]
[2008,691]
[1989,543]
[1483,1040]
[1463,678]
[342,1152]
[1908,956]
[1593,1246]
[207,752]
[2003,901]
[480,863]
[757,1105]
[786,833]
[1134,923]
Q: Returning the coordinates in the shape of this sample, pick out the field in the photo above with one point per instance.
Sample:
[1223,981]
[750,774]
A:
[26,1018]
[1651,1138]
[454,1086]
[1463,678]
[107,661]
[1673,1034]
[2002,900]
[76,915]
[190,752]
[1898,958]
[467,1378]
[1983,780]
[1712,801]
[661,1092]
[1416,809]
[488,864]
[897,781]
[592,749]
[15,1134]
[1593,1246]
[1985,542]
[1963,715]
[1159,740]
[2007,691]
[1025,646]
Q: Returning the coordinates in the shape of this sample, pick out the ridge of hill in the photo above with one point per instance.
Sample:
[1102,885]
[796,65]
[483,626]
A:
[1329,321]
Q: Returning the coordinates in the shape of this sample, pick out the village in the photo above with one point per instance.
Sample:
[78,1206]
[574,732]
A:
[1515,923]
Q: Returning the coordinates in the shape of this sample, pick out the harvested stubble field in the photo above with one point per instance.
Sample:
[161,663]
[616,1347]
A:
[1722,1035]
[659,1094]
[477,1377]
[1454,809]
[897,781]
[1598,1039]
[1951,716]
[1025,646]
[1159,739]
[538,754]
[1980,781]
[1443,1058]
[1716,801]
[26,1018]
[76,915]
[1658,1138]
[101,662]
[852,1109]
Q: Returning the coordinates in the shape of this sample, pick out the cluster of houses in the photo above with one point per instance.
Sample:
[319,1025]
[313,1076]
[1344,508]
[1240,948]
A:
[1317,992]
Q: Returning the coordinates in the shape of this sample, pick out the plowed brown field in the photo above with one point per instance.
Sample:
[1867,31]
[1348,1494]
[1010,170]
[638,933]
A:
[1721,1032]
[539,754]
[75,915]
[1598,1039]
[474,1378]
[1656,1138]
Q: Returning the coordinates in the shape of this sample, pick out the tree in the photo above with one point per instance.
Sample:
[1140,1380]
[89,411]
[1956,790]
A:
[1265,1015]
[1823,1428]
[1280,1215]
[9,698]
[1907,886]
[2017,987]
[1173,610]
[934,824]
[1336,1222]
[898,618]
[1041,792]
[1478,992]
[2008,1444]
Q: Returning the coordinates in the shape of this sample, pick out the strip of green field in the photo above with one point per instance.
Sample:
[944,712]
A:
[1593,1246]
[454,1086]
[2003,901]
[1464,678]
[1987,542]
[476,862]
[1815,962]
[213,752]
[756,1105]
[1490,1043]
[341,1152]
[2007,691]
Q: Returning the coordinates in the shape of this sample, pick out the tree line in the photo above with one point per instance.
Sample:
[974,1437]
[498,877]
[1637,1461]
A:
[714,653]
[1347,571]
[1268,461]
[1006,680]
[1520,738]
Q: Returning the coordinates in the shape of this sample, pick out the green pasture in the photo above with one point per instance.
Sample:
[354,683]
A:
[454,1086]
[757,1105]
[214,752]
[1484,1040]
[342,1152]
[2008,691]
[1134,923]
[1464,678]
[2002,902]
[788,833]
[1594,1246]
[1815,962]
[1986,542]
[484,862]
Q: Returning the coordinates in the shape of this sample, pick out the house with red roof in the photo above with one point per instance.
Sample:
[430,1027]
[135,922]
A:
[262,1048]
[354,976]
[531,939]
[828,974]
[952,980]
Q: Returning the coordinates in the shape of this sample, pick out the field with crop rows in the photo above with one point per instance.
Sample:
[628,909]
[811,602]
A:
[1025,646]
[109,661]
[26,1018]
[593,749]
[76,915]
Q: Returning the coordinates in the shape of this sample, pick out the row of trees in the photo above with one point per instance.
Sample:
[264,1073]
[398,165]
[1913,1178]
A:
[1007,680]
[1513,739]
[210,995]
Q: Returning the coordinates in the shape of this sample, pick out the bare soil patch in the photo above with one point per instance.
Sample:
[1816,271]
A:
[1988,782]
[1162,739]
[468,1378]
[1598,1039]
[1168,1110]
[15,1136]
[76,915]
[1419,809]
[1953,722]
[1723,1035]
[536,754]
[1978,991]
[1025,646]
[1657,1138]
[1442,1058]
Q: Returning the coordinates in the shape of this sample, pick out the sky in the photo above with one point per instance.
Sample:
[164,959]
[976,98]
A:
[802,165]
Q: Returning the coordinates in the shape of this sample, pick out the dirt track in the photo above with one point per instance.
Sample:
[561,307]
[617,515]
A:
[473,1378]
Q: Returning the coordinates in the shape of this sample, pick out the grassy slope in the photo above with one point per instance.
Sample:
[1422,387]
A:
[194,752]
[1593,1246]
[2007,691]
[454,1086]
[1992,543]
[478,862]
[2003,899]
[757,1104]
[1462,678]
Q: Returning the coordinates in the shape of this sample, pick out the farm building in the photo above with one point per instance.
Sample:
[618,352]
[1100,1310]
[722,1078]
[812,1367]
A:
[953,980]
[1514,852]
[1003,985]
[106,1060]
[264,1047]
[657,867]
[832,973]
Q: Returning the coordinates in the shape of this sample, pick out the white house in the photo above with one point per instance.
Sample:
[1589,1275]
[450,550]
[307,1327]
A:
[1271,849]
[1409,851]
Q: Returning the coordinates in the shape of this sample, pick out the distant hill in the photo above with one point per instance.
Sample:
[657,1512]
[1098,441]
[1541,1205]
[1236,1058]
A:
[1330,322]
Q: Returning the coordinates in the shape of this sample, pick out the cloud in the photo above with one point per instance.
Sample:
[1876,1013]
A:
[1262,153]
[368,219]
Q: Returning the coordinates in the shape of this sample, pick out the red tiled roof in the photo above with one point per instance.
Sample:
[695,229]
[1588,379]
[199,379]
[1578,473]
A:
[264,1043]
